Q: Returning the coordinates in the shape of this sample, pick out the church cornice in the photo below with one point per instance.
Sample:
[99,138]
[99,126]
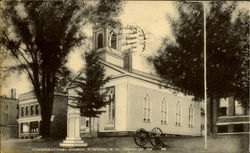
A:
[134,74]
[139,75]
[110,51]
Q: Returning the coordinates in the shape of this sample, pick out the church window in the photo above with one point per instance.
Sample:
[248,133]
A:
[114,41]
[164,111]
[31,110]
[111,106]
[191,116]
[27,110]
[146,108]
[100,41]
[178,113]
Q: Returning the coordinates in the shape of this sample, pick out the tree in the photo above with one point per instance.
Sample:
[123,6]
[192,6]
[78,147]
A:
[92,96]
[180,61]
[40,34]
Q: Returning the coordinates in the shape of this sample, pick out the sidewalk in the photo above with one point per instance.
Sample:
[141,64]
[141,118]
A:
[219,144]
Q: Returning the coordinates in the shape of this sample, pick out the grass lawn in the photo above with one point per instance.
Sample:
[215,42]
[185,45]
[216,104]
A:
[219,144]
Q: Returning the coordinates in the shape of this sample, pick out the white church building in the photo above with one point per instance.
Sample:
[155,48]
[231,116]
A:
[139,99]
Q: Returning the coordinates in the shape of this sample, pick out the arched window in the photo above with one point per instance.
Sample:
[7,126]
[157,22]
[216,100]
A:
[191,116]
[164,111]
[146,108]
[178,113]
[27,111]
[111,106]
[31,110]
[100,41]
[114,41]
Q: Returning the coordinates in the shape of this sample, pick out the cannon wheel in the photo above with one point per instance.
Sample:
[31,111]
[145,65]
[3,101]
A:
[155,137]
[140,137]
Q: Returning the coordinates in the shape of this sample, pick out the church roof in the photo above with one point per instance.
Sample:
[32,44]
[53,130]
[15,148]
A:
[134,73]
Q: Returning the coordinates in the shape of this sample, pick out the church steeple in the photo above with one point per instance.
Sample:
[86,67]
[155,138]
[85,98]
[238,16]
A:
[107,42]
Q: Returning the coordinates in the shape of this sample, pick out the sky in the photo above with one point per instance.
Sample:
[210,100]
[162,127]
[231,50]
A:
[148,15]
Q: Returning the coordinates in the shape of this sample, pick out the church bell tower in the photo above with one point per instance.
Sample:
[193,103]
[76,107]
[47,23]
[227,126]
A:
[107,42]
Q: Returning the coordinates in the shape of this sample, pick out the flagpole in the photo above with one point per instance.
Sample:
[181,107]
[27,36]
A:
[205,71]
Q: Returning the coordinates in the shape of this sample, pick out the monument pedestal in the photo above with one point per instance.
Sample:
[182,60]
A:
[73,143]
[73,138]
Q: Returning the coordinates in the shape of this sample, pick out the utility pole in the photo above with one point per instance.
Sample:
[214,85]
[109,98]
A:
[205,69]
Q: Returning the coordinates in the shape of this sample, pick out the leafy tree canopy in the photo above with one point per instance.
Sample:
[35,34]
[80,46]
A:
[40,34]
[180,61]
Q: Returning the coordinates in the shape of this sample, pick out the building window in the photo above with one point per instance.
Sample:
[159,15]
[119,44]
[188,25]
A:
[111,106]
[37,109]
[31,110]
[239,109]
[6,107]
[25,127]
[178,114]
[100,41]
[22,111]
[238,128]
[114,41]
[202,127]
[87,123]
[222,129]
[146,108]
[27,111]
[223,111]
[223,107]
[164,111]
[202,112]
[191,116]
[21,128]
[34,127]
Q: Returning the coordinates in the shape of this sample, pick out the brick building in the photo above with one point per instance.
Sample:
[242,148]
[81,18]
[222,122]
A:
[9,126]
[29,116]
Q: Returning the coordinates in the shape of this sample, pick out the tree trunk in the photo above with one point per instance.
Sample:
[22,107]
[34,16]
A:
[212,114]
[46,113]
[90,127]
[46,105]
[45,128]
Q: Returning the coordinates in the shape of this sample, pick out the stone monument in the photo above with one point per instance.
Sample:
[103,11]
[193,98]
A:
[73,138]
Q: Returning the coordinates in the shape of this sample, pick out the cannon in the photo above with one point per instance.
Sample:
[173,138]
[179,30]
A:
[142,136]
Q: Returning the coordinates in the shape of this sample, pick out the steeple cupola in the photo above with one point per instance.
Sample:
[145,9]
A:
[107,41]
